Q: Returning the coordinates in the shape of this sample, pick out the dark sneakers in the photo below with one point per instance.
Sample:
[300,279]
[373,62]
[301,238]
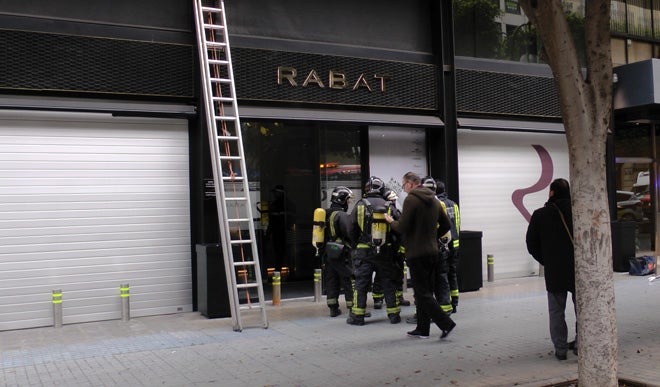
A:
[418,334]
[447,331]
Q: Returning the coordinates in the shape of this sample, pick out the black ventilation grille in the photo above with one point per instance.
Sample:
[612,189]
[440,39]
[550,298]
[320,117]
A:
[411,86]
[35,61]
[487,92]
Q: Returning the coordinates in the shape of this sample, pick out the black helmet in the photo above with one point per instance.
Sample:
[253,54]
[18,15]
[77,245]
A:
[428,182]
[374,185]
[340,195]
[390,195]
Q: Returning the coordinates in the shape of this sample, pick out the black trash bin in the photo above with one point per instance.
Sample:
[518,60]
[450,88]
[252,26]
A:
[623,244]
[212,293]
[469,274]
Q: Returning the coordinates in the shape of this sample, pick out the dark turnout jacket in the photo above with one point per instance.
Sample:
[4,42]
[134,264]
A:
[549,244]
[422,220]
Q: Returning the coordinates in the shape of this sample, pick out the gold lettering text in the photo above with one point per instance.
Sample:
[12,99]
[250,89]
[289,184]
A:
[286,73]
[361,82]
[383,78]
[337,80]
[313,77]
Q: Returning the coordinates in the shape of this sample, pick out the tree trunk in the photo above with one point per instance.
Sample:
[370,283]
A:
[586,105]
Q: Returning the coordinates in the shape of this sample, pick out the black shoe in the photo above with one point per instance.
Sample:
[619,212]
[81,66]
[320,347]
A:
[355,320]
[453,308]
[367,315]
[395,318]
[378,304]
[418,334]
[404,302]
[447,331]
[412,320]
[334,312]
[571,345]
[560,356]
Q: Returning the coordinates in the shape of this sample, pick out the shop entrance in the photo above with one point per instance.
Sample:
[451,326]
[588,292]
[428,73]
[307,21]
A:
[636,195]
[293,167]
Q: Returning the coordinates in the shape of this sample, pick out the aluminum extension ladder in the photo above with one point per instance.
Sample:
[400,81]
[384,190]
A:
[229,171]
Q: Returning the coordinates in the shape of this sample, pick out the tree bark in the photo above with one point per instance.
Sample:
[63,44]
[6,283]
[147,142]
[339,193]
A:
[586,106]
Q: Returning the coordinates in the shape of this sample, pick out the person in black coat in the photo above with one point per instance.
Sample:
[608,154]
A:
[549,240]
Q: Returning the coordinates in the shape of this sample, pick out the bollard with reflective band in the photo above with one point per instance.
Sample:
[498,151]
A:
[490,260]
[317,285]
[277,289]
[124,294]
[57,308]
[405,277]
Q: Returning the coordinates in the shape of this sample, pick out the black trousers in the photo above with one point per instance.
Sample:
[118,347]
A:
[338,276]
[422,271]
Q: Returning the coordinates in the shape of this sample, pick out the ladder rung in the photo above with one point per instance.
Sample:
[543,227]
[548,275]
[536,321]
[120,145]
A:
[213,27]
[237,199]
[238,220]
[244,263]
[211,9]
[225,118]
[232,178]
[223,99]
[227,137]
[231,157]
[242,242]
[221,80]
[216,44]
[248,285]
[251,306]
[219,62]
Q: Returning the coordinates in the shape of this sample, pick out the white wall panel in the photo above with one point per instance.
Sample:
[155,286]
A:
[492,165]
[89,202]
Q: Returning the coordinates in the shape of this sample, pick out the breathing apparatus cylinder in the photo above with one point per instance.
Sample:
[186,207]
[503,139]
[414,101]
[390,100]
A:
[318,230]
[378,228]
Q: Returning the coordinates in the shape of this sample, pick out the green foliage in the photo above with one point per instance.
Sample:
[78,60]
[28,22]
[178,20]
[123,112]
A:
[476,32]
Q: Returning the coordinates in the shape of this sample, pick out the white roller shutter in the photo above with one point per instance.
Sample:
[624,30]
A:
[492,165]
[89,202]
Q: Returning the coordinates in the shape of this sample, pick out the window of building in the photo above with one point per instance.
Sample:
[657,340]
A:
[618,51]
[639,18]
[638,51]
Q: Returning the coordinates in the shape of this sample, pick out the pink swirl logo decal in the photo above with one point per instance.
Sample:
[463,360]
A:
[544,180]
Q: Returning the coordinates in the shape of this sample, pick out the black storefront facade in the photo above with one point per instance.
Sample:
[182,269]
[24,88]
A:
[327,97]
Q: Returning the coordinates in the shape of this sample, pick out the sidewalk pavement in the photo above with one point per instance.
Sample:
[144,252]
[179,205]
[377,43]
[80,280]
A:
[501,339]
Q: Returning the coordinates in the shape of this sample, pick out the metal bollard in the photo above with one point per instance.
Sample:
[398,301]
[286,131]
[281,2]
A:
[57,308]
[277,288]
[490,260]
[405,277]
[124,294]
[317,285]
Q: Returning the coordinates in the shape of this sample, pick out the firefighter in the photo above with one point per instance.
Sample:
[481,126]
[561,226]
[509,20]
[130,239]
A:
[454,245]
[397,251]
[336,254]
[370,253]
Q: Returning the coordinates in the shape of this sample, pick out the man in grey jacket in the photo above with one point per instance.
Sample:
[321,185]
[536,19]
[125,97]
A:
[421,221]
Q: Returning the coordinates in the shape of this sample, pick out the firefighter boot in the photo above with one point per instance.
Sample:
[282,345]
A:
[355,319]
[335,311]
[395,318]
[378,303]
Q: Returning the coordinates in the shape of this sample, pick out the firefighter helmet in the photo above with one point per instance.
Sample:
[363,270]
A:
[374,185]
[429,183]
[340,195]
